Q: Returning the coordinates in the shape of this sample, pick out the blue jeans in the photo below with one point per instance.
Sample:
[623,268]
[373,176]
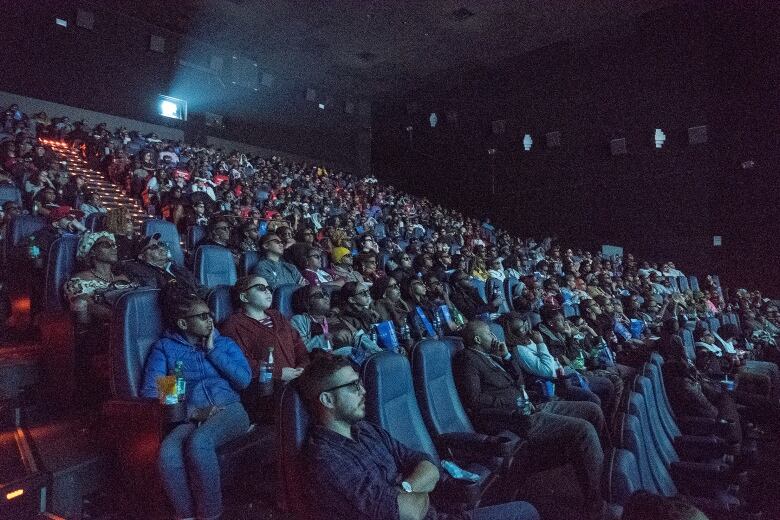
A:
[188,462]
[508,511]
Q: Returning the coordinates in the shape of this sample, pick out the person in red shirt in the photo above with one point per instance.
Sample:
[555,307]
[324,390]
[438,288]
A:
[257,328]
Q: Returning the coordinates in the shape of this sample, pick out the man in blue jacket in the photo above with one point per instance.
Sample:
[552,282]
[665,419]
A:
[214,369]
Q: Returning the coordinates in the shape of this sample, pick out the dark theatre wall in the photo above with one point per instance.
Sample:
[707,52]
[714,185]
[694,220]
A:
[674,68]
[110,69]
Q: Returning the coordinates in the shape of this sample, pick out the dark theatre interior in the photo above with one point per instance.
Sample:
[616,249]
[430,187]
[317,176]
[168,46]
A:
[384,259]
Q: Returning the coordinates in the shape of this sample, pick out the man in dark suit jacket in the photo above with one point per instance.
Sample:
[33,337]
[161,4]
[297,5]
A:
[489,382]
[154,269]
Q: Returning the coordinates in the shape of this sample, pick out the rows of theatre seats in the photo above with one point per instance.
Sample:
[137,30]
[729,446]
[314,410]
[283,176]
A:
[208,262]
[416,402]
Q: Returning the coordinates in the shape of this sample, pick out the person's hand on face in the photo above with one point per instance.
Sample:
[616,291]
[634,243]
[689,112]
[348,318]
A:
[567,329]
[498,348]
[209,341]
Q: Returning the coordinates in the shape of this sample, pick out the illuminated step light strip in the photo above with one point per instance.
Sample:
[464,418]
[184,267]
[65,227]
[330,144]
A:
[14,494]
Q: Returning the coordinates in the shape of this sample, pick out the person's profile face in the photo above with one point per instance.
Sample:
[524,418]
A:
[348,398]
[519,327]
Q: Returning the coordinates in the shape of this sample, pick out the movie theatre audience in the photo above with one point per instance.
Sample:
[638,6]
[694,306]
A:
[490,381]
[215,371]
[357,470]
[154,269]
[272,268]
[310,225]
[257,329]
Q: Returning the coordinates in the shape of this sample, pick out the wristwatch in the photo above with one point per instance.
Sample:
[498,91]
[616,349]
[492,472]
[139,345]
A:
[406,486]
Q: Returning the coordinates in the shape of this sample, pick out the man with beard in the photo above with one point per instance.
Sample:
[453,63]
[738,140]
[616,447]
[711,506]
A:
[356,470]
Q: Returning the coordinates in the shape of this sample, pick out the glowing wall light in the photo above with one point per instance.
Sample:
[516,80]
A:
[660,138]
[172,107]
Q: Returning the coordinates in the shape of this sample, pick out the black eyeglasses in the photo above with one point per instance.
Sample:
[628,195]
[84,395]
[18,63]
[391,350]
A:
[203,316]
[364,292]
[261,287]
[354,386]
[105,244]
[221,228]
[274,241]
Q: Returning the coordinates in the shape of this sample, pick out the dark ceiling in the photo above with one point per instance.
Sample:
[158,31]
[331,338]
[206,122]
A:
[381,49]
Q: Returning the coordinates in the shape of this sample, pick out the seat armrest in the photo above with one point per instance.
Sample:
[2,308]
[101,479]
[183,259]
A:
[454,495]
[488,445]
[701,473]
[703,447]
[133,426]
[147,411]
[704,426]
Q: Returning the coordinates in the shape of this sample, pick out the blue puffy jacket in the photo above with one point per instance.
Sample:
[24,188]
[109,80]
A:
[212,379]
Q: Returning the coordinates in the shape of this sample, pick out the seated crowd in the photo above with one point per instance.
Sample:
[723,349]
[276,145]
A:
[362,255]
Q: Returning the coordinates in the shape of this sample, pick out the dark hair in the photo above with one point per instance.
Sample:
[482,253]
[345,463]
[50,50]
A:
[364,257]
[671,323]
[177,302]
[268,236]
[241,286]
[584,305]
[301,297]
[397,257]
[214,221]
[470,330]
[247,226]
[418,264]
[348,290]
[281,229]
[728,331]
[548,312]
[458,273]
[316,377]
[642,505]
[302,231]
[379,287]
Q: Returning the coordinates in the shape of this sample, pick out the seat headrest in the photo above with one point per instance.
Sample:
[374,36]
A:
[454,344]
[623,475]
[656,359]
[293,421]
[283,299]
[248,262]
[60,267]
[221,303]
[391,402]
[497,330]
[435,388]
[194,235]
[22,226]
[137,324]
[214,266]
